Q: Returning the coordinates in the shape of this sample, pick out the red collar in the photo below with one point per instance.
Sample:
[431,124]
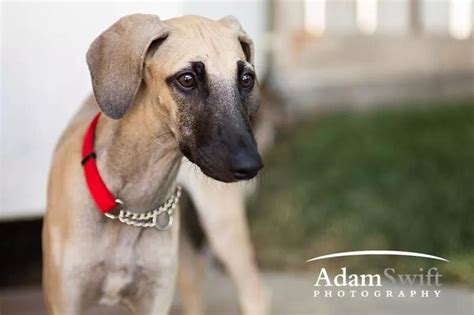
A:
[102,196]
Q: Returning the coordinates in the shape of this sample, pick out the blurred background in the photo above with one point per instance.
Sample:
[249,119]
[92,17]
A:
[371,104]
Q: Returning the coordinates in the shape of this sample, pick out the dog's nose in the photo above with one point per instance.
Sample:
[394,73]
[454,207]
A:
[246,165]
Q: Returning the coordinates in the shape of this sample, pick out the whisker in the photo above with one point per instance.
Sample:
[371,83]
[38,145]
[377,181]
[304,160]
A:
[164,134]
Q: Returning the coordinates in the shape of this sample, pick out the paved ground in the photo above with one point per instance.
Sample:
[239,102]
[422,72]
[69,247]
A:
[292,295]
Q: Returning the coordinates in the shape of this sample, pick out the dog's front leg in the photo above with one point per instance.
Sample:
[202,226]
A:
[221,211]
[155,300]
[63,302]
[62,298]
[62,289]
[191,275]
[155,276]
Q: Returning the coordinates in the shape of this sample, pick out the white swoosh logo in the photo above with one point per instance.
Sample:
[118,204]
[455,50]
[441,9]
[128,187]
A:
[377,252]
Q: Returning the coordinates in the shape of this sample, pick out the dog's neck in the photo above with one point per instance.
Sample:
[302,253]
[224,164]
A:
[138,158]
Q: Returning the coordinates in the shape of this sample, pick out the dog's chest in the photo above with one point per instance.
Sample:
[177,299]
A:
[132,262]
[116,267]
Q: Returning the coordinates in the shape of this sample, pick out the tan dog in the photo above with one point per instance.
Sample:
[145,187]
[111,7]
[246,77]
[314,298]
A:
[167,88]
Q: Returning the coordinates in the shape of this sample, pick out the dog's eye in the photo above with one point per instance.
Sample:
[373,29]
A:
[187,80]
[246,80]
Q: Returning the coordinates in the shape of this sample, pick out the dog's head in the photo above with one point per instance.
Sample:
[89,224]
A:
[197,73]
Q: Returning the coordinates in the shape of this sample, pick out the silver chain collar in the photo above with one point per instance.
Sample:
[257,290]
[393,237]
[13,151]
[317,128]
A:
[150,218]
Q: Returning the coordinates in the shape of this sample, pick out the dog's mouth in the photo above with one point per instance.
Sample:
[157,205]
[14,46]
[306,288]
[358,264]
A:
[238,167]
[220,175]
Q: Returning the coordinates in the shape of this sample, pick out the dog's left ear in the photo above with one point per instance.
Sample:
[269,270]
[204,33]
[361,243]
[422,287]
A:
[249,52]
[116,60]
[245,41]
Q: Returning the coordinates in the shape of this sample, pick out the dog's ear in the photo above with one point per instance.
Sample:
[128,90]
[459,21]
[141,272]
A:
[245,40]
[116,58]
[248,48]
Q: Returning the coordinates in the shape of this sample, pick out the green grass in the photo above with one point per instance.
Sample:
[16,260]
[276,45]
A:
[400,179]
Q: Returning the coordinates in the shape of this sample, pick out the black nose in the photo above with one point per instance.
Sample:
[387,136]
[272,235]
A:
[246,165]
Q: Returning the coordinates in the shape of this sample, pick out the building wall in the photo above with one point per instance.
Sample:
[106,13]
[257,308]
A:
[412,53]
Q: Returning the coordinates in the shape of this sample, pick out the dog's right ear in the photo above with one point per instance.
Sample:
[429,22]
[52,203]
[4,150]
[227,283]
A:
[116,58]
[244,39]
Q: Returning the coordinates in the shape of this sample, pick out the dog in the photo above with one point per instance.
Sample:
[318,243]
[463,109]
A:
[165,89]
[215,215]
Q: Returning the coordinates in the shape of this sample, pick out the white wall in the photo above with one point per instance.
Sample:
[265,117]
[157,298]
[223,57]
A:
[44,78]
